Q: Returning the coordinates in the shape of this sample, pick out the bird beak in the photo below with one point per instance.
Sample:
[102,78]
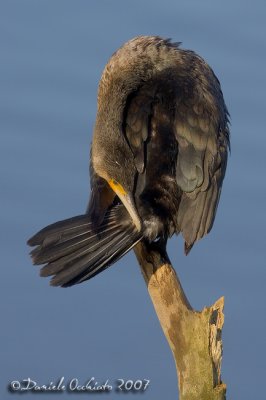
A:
[127,200]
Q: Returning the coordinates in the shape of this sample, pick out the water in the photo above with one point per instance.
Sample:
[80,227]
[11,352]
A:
[52,56]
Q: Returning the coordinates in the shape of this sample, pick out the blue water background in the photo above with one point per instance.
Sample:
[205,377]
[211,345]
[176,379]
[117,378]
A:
[52,53]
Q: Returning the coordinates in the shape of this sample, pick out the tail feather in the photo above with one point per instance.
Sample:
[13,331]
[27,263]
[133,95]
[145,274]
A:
[60,248]
[60,229]
[74,250]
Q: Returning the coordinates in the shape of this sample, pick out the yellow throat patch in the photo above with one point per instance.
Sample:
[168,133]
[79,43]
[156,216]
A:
[116,187]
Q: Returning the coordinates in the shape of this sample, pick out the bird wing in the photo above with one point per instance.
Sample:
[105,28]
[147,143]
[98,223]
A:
[194,120]
[136,124]
[201,131]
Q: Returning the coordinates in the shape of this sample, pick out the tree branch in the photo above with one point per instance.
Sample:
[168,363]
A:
[194,337]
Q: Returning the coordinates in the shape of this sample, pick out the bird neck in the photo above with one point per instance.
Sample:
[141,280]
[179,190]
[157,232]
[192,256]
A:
[139,61]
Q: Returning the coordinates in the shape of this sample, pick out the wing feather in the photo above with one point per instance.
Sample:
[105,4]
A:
[136,127]
[188,110]
[200,167]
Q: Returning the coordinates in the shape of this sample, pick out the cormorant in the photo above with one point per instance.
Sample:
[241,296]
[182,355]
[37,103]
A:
[158,160]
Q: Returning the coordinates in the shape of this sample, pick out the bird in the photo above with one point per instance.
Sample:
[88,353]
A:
[158,159]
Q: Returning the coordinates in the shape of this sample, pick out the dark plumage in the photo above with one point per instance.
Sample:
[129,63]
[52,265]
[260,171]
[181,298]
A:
[158,160]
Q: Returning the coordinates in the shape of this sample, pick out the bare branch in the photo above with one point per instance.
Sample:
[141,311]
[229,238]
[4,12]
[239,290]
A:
[194,337]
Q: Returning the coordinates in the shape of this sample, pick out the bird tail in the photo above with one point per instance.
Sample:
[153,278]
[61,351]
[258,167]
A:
[75,251]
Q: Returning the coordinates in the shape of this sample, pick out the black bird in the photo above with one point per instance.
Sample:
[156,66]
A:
[158,160]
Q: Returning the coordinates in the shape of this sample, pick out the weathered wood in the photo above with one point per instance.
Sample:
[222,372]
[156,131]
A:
[194,337]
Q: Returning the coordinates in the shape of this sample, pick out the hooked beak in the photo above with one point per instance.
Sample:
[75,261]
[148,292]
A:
[127,200]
